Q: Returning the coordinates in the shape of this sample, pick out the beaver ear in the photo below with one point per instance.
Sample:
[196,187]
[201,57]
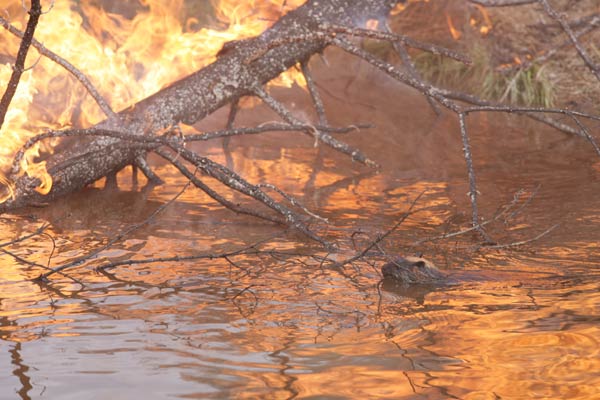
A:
[420,264]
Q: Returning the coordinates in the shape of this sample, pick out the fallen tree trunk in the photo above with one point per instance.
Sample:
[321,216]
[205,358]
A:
[241,68]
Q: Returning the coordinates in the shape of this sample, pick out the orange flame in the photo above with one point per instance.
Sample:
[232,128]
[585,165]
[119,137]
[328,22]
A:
[487,25]
[372,24]
[127,59]
[402,6]
[456,34]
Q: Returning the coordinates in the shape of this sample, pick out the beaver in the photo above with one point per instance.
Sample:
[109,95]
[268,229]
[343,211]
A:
[413,270]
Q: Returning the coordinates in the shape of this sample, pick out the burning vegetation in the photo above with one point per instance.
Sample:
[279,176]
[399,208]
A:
[124,79]
[128,51]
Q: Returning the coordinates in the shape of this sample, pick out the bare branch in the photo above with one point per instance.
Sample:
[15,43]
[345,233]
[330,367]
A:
[314,93]
[80,260]
[292,200]
[523,242]
[473,192]
[498,215]
[592,23]
[19,66]
[565,26]
[102,103]
[319,135]
[236,182]
[205,188]
[233,111]
[410,67]
[381,237]
[394,37]
[252,249]
[37,232]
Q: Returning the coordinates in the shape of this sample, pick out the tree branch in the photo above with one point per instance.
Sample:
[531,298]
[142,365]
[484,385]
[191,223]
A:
[34,15]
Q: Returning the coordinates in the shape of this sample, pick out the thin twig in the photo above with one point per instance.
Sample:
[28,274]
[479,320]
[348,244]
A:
[36,265]
[472,228]
[321,136]
[236,182]
[23,260]
[592,23]
[314,93]
[586,133]
[410,67]
[519,109]
[37,232]
[523,206]
[292,200]
[251,249]
[80,260]
[272,127]
[233,112]
[381,237]
[34,15]
[565,26]
[397,74]
[81,77]
[214,195]
[521,243]
[394,37]
[473,192]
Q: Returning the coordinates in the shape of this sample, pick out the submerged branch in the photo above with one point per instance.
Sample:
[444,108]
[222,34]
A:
[81,260]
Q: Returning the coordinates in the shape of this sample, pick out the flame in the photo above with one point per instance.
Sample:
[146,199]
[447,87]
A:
[37,170]
[487,25]
[127,59]
[456,34]
[401,6]
[483,23]
[372,24]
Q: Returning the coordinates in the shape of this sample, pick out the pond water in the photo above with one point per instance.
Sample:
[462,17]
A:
[526,324]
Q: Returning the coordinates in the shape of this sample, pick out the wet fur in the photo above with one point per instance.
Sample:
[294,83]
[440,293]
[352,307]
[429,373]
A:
[412,270]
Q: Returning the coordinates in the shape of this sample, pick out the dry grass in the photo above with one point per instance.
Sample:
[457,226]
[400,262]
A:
[529,86]
[524,33]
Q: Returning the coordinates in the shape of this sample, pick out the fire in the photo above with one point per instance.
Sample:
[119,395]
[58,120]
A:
[127,59]
[486,25]
[401,6]
[456,34]
[483,24]
[372,24]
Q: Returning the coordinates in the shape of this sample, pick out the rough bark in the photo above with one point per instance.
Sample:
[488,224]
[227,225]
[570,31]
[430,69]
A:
[240,68]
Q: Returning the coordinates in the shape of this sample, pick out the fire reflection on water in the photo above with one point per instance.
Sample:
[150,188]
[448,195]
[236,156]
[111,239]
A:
[280,329]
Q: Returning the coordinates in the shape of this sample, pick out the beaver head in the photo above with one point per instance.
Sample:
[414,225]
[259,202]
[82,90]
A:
[412,270]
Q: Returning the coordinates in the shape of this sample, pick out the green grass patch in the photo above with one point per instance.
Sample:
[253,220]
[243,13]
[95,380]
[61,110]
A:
[529,86]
